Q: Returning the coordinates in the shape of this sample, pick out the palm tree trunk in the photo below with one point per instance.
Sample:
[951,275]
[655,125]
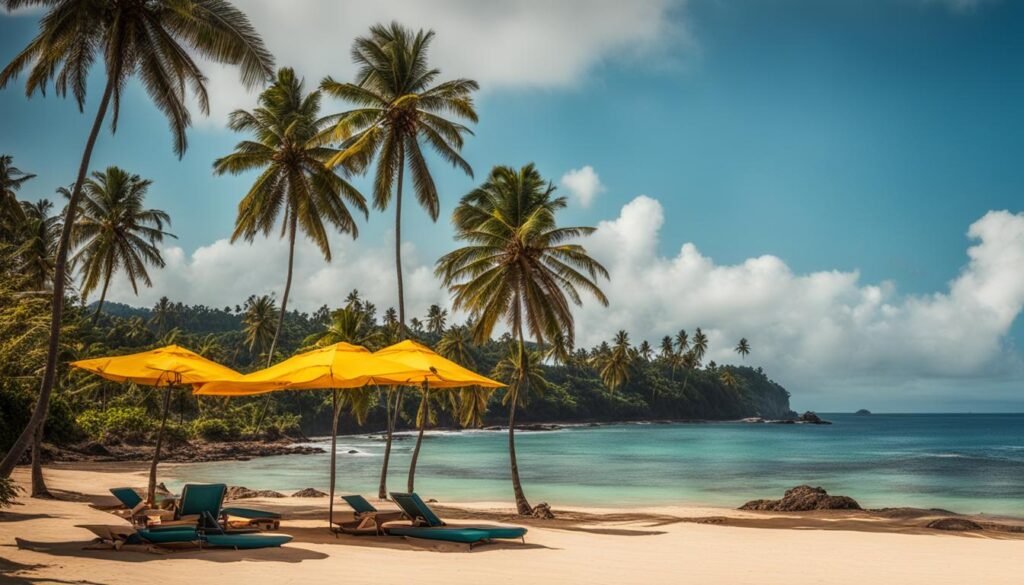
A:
[151,489]
[392,414]
[398,239]
[334,451]
[284,309]
[425,415]
[103,297]
[522,505]
[57,304]
[38,485]
[292,226]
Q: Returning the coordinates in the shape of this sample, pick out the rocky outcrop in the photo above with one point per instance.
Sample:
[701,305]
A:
[803,498]
[955,524]
[309,493]
[811,417]
[237,492]
[543,511]
[862,412]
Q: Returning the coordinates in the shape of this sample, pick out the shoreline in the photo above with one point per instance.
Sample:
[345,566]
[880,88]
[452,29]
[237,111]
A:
[39,542]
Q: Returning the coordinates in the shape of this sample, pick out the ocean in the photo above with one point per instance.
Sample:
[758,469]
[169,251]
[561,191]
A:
[967,463]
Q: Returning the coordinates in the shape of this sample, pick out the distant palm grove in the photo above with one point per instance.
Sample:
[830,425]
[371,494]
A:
[516,271]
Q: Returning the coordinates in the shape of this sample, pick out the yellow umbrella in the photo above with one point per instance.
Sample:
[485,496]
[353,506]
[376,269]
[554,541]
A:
[164,367]
[437,373]
[337,366]
[341,365]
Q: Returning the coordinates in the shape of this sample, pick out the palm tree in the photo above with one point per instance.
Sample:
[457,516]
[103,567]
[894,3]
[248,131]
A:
[614,365]
[115,232]
[457,345]
[728,379]
[743,347]
[700,345]
[558,350]
[682,342]
[154,40]
[436,319]
[517,267]
[293,176]
[38,237]
[416,325]
[645,351]
[352,300]
[258,320]
[11,179]
[350,326]
[162,315]
[398,112]
[667,350]
[390,317]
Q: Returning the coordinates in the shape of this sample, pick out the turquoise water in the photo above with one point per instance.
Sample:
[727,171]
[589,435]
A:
[963,462]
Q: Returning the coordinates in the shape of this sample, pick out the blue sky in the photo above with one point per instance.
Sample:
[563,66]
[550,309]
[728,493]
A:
[858,137]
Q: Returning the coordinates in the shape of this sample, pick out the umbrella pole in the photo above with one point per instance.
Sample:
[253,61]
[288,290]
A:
[334,450]
[151,491]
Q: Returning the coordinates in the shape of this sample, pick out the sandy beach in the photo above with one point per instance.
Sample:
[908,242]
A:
[40,543]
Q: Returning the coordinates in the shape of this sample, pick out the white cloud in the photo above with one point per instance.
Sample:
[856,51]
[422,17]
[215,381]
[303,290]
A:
[516,43]
[225,274]
[828,337]
[584,184]
[819,331]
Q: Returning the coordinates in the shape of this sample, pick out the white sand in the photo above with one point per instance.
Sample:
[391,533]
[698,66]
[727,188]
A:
[593,546]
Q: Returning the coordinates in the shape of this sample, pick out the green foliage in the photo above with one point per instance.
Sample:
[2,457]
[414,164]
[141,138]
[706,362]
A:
[8,491]
[116,421]
[213,429]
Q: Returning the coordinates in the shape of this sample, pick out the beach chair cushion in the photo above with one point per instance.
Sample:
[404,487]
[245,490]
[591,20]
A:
[416,509]
[461,534]
[247,541]
[170,534]
[250,514]
[127,497]
[359,504]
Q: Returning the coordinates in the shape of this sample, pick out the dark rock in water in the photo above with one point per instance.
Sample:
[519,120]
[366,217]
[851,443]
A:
[352,452]
[543,511]
[431,500]
[538,427]
[863,412]
[957,524]
[309,493]
[803,498]
[811,417]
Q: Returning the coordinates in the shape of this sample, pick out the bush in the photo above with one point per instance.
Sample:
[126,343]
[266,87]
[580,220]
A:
[8,491]
[176,434]
[116,421]
[213,429]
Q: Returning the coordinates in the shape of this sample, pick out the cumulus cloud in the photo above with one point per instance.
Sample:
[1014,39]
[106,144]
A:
[816,331]
[827,336]
[583,183]
[516,43]
[225,274]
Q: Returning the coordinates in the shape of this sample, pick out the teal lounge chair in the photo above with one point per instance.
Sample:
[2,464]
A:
[199,519]
[426,525]
[136,506]
[366,520]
